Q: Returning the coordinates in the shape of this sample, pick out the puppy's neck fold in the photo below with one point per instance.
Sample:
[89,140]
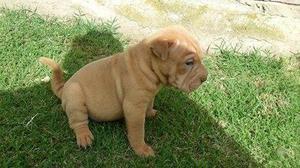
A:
[140,58]
[163,79]
[150,63]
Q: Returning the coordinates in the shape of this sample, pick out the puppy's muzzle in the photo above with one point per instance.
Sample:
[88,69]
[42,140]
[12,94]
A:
[198,79]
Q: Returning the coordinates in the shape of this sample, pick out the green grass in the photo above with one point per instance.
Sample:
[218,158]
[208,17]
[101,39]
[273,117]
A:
[245,115]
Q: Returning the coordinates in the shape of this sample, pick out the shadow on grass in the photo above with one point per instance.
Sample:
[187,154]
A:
[36,131]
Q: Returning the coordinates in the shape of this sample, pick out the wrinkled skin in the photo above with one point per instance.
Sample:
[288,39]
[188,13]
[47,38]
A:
[124,85]
[182,63]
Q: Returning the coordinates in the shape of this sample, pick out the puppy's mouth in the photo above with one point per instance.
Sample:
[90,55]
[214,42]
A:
[190,86]
[194,86]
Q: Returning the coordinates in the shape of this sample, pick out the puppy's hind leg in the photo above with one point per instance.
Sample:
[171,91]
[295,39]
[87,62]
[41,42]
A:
[74,103]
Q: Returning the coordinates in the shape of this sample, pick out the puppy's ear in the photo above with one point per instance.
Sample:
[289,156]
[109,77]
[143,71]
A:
[161,47]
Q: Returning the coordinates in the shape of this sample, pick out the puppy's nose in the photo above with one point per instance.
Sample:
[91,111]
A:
[204,75]
[203,78]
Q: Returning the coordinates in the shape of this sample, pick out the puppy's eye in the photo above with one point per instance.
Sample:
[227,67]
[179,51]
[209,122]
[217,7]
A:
[190,62]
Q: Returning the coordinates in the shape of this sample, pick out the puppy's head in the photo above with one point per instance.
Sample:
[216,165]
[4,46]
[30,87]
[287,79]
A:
[178,58]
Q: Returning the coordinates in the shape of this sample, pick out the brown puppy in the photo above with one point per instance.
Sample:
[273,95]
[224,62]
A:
[125,84]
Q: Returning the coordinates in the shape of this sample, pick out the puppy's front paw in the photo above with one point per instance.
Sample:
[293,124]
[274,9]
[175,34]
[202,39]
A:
[84,137]
[144,151]
[151,113]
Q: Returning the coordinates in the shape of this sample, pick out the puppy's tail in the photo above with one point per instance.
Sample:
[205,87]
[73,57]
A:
[57,82]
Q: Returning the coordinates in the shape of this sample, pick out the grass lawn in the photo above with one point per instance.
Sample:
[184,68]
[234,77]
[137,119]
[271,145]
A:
[245,115]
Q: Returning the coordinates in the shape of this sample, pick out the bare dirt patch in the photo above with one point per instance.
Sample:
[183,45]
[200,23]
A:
[265,24]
